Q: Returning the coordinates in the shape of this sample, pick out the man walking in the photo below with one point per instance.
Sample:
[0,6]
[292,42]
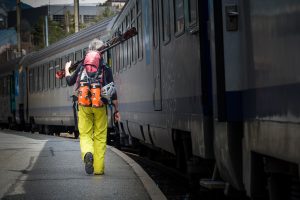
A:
[94,82]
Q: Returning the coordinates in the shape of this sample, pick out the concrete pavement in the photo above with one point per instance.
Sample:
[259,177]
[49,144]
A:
[34,166]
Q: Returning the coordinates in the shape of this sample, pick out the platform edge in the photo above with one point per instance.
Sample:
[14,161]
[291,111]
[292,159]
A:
[153,190]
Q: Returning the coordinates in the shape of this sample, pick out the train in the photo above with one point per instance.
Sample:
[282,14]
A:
[212,82]
[33,99]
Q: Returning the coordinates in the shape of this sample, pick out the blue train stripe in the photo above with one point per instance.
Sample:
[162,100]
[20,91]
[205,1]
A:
[67,110]
[276,101]
[178,105]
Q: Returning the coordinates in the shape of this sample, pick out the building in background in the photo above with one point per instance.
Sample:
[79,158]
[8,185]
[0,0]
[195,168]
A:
[8,43]
[87,13]
[60,22]
[3,18]
[116,3]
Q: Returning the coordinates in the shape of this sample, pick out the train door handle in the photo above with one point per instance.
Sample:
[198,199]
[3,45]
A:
[232,16]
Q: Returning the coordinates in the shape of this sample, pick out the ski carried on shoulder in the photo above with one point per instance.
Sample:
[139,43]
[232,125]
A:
[116,40]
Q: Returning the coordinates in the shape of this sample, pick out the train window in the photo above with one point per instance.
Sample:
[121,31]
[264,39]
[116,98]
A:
[128,21]
[139,43]
[166,21]
[155,23]
[113,64]
[118,49]
[192,11]
[84,51]
[140,37]
[130,15]
[105,56]
[116,59]
[51,74]
[138,6]
[30,79]
[63,63]
[179,16]
[109,58]
[125,47]
[124,53]
[57,68]
[40,78]
[133,40]
[71,57]
[36,78]
[121,51]
[78,55]
[46,69]
[113,58]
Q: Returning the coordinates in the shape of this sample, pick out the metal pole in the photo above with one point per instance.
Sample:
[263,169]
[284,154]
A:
[19,26]
[76,15]
[67,24]
[46,31]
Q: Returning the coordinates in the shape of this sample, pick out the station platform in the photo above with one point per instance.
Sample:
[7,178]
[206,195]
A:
[34,166]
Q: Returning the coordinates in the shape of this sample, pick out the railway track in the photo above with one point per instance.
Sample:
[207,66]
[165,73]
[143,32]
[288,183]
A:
[174,184]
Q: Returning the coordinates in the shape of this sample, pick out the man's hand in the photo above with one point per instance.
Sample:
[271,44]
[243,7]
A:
[117,116]
[67,66]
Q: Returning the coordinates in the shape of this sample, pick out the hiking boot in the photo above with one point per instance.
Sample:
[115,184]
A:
[98,173]
[88,160]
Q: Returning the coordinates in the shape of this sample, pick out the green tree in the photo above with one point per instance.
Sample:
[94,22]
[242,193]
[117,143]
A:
[105,14]
[38,34]
[56,31]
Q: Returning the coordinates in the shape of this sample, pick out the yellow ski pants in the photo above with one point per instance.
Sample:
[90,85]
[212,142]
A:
[92,125]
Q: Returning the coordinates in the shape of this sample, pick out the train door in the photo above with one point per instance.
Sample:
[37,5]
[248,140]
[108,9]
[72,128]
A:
[228,61]
[156,13]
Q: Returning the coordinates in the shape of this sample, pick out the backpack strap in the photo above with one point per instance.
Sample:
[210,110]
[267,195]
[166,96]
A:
[101,70]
